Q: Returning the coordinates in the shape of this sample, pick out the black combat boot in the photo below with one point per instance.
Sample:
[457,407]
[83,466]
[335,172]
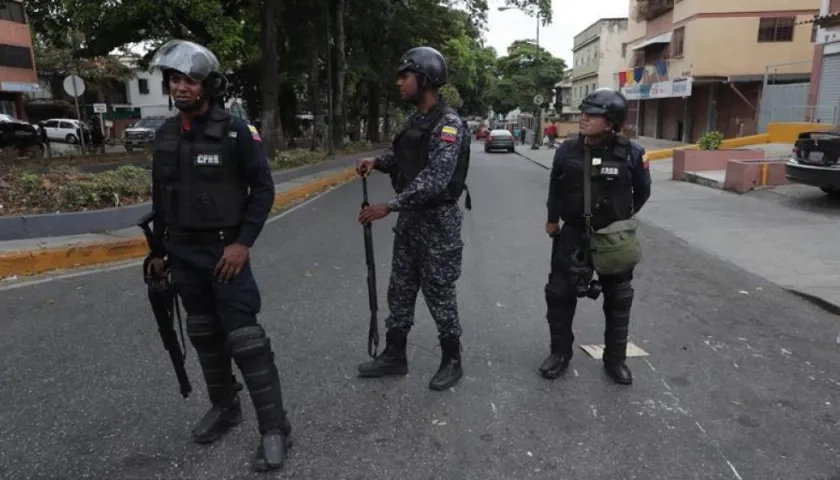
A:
[225,412]
[392,360]
[450,370]
[618,298]
[252,352]
[560,313]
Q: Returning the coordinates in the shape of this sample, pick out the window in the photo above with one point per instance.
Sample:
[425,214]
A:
[623,50]
[15,57]
[678,42]
[143,86]
[776,29]
[12,11]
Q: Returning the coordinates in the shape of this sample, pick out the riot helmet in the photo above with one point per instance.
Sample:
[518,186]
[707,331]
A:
[425,61]
[607,103]
[196,62]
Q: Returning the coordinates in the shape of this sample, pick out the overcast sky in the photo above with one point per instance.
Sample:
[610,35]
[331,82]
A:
[570,18]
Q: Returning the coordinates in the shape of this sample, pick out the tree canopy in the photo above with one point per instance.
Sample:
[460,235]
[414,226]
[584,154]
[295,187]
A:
[306,56]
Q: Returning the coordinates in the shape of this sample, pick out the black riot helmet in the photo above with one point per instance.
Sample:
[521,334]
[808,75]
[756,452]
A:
[608,103]
[426,61]
[196,62]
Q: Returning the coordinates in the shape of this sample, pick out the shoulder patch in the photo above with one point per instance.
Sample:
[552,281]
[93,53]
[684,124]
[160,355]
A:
[254,133]
[448,134]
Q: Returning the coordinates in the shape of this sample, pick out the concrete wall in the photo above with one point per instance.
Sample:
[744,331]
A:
[611,60]
[704,44]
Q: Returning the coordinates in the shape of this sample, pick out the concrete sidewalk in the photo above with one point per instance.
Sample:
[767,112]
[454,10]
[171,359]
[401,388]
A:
[794,249]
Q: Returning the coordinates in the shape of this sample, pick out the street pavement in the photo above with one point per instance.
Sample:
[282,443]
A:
[740,383]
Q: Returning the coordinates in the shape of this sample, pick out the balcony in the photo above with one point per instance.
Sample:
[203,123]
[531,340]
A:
[585,70]
[647,10]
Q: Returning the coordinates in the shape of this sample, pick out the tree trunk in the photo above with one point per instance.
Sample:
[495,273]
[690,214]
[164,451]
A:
[374,99]
[272,129]
[339,103]
[314,84]
[386,119]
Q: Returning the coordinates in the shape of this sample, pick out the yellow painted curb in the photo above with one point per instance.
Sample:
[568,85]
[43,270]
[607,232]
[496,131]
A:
[736,142]
[32,262]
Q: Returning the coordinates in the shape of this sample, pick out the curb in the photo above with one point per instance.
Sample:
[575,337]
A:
[822,303]
[33,262]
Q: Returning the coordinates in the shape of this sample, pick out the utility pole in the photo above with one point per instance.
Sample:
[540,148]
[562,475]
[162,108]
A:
[538,132]
[330,121]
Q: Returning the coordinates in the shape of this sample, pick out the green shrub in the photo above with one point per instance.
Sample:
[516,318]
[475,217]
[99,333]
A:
[710,140]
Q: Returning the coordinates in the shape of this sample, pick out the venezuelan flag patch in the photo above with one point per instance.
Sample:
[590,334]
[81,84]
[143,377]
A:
[254,133]
[449,134]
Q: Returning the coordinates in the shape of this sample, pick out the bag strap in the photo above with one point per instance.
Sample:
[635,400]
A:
[587,200]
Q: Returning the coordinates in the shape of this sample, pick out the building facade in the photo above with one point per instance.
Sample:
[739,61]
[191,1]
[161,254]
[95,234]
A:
[596,57]
[18,76]
[693,66]
[824,91]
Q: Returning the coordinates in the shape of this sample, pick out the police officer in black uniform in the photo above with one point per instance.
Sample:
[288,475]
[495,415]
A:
[212,193]
[620,186]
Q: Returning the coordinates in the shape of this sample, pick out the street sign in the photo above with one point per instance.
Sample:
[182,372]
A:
[74,86]
[100,108]
[538,99]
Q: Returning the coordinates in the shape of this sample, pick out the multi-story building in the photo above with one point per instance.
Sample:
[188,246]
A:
[693,66]
[17,61]
[824,92]
[596,56]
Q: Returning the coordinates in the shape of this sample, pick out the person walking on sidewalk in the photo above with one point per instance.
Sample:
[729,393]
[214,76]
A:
[617,187]
[212,193]
[428,167]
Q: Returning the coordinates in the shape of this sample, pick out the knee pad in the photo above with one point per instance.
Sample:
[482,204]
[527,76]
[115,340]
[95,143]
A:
[248,343]
[204,331]
[557,292]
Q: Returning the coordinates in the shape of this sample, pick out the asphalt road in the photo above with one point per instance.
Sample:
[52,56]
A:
[742,379]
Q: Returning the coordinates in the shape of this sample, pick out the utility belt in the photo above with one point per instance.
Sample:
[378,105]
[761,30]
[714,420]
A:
[202,237]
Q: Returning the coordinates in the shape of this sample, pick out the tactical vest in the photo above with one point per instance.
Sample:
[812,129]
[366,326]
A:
[611,180]
[411,154]
[200,183]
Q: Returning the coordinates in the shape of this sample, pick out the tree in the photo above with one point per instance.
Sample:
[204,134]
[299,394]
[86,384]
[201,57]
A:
[523,73]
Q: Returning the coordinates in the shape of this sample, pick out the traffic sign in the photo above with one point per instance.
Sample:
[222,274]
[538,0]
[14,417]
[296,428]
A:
[74,86]
[100,108]
[538,99]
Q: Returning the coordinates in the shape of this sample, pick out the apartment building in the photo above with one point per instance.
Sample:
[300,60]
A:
[693,66]
[17,61]
[824,91]
[596,56]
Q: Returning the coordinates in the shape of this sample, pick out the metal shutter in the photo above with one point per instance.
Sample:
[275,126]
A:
[828,105]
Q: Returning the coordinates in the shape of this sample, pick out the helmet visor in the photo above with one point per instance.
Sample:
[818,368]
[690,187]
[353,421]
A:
[191,59]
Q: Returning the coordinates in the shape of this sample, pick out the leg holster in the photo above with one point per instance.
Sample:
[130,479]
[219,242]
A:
[252,352]
[618,299]
[561,304]
[208,339]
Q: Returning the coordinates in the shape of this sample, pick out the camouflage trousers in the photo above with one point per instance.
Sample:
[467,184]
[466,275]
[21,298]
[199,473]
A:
[434,270]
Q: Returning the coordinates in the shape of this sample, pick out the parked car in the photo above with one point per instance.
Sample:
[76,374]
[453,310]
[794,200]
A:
[142,132]
[814,161]
[19,135]
[499,140]
[66,130]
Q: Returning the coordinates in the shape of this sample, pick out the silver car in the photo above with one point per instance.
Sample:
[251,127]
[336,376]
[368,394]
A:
[499,140]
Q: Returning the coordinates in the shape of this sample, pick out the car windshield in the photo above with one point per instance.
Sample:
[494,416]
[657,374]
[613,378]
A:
[151,123]
[6,118]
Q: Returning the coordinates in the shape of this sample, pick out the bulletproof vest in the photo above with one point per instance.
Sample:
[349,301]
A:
[200,183]
[411,152]
[611,183]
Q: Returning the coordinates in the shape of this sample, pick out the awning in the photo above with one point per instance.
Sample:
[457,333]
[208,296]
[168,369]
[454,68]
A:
[664,38]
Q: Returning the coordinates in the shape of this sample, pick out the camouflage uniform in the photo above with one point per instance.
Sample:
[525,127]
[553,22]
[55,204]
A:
[427,243]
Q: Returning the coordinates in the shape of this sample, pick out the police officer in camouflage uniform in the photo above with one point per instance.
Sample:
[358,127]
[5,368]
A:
[620,186]
[212,193]
[427,164]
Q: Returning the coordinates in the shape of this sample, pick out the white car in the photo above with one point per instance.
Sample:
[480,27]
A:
[65,129]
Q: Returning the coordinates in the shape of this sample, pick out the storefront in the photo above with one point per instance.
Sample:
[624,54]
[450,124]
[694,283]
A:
[661,108]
